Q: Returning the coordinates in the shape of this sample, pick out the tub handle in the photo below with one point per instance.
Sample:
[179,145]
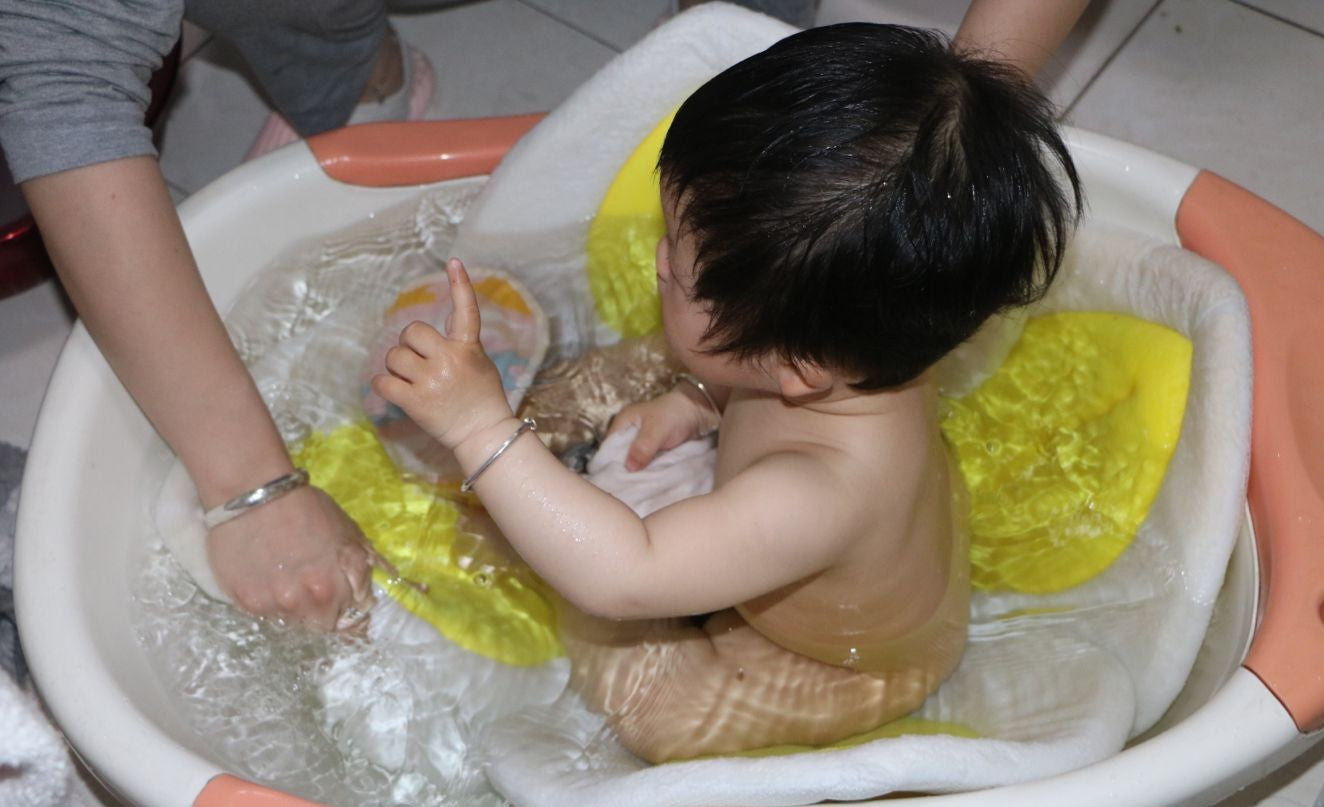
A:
[398,153]
[225,790]
[1279,263]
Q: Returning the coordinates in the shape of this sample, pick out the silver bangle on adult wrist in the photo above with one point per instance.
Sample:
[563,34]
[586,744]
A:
[707,396]
[526,425]
[256,497]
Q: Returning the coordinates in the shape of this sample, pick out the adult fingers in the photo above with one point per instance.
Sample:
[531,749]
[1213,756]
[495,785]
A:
[356,563]
[464,322]
[292,603]
[324,590]
[254,600]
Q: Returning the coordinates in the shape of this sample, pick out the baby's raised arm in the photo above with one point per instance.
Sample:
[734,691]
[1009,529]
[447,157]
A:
[761,530]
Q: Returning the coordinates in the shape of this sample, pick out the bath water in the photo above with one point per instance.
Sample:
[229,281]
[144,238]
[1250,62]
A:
[340,721]
[400,720]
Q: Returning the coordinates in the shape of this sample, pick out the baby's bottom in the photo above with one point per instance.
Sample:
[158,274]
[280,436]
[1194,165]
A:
[673,690]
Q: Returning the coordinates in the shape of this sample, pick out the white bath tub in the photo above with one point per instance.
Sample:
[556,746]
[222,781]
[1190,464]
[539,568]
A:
[84,513]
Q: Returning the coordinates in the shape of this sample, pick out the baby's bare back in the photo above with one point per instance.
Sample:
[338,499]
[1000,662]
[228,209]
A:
[898,597]
[854,646]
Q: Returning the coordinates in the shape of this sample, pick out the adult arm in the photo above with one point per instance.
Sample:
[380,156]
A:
[1022,33]
[72,93]
[114,237]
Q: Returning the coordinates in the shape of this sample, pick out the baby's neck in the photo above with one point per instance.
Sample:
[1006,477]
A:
[844,400]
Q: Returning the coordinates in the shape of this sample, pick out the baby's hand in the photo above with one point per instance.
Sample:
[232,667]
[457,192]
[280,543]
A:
[664,423]
[447,384]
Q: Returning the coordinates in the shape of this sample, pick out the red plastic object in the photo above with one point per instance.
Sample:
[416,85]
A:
[23,259]
[413,153]
[1279,263]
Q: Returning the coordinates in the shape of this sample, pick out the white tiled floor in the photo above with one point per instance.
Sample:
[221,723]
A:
[1306,13]
[612,22]
[1232,85]
[1253,116]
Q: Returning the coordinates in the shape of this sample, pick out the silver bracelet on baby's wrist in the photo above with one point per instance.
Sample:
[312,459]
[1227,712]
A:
[707,396]
[526,425]
[256,497]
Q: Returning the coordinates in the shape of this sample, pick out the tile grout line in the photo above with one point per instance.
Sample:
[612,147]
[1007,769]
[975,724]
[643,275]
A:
[568,24]
[1066,113]
[1278,17]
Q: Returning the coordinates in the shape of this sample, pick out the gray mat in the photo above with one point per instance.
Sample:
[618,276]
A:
[11,474]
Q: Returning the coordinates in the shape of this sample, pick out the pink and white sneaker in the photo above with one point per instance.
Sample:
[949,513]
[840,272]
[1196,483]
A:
[410,102]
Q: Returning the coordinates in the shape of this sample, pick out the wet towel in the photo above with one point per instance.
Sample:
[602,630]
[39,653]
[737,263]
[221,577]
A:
[682,472]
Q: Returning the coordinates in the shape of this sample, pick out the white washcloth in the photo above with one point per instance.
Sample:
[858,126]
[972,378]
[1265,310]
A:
[682,472]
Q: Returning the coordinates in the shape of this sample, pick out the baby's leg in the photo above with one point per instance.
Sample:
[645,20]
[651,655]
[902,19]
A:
[672,690]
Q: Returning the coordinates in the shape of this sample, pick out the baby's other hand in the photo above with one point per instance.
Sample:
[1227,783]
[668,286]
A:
[664,423]
[447,384]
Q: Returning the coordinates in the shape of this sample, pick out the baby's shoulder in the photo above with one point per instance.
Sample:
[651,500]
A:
[870,448]
[863,461]
[814,477]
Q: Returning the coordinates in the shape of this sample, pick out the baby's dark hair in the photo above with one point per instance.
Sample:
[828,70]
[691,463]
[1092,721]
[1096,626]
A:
[864,197]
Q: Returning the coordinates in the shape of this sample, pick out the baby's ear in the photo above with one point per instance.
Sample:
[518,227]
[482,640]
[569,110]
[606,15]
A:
[802,379]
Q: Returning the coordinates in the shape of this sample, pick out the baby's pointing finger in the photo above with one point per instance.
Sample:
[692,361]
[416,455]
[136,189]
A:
[463,324]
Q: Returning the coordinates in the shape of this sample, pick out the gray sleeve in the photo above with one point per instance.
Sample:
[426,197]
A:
[73,79]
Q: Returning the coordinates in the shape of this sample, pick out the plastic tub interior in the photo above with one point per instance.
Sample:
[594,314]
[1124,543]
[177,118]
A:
[1255,699]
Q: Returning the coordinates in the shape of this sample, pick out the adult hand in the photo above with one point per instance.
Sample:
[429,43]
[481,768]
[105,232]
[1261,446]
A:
[447,384]
[299,558]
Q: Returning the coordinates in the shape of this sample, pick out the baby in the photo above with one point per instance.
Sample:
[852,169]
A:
[842,210]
